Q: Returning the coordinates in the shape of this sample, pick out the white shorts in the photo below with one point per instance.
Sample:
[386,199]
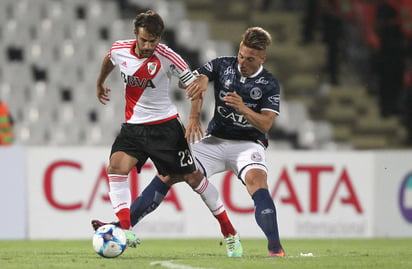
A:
[214,155]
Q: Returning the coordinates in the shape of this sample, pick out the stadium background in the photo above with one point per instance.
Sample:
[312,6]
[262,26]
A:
[51,52]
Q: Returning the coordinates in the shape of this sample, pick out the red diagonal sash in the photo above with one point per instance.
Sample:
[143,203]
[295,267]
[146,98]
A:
[137,83]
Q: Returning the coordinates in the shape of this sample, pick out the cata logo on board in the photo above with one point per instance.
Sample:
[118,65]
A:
[405,198]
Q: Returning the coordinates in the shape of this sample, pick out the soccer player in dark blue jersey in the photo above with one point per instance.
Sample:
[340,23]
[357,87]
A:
[246,105]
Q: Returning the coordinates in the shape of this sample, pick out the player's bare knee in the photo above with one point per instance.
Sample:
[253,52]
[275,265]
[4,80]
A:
[193,179]
[256,182]
[116,170]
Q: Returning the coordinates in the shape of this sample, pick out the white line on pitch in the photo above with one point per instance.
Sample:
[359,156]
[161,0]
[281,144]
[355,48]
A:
[170,264]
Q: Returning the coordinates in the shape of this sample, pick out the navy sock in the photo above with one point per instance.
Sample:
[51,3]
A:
[265,215]
[148,200]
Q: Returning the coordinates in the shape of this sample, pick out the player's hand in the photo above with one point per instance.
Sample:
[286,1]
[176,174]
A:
[197,88]
[193,130]
[234,100]
[102,94]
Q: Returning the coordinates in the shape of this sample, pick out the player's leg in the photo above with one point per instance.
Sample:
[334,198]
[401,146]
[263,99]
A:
[145,203]
[249,163]
[123,158]
[119,192]
[168,144]
[208,155]
[118,169]
[149,199]
[265,210]
[154,193]
[211,198]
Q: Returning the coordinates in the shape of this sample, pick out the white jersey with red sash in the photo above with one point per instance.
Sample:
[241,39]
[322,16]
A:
[147,81]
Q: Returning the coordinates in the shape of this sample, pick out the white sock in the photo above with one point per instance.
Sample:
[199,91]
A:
[210,196]
[120,196]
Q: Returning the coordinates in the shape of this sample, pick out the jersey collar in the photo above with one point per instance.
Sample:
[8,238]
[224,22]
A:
[132,52]
[254,75]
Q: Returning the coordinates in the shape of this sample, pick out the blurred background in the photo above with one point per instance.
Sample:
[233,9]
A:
[344,66]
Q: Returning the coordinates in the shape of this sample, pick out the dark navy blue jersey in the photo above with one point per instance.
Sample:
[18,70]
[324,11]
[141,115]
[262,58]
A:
[259,92]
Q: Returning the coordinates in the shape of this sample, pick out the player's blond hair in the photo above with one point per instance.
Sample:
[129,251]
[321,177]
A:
[256,38]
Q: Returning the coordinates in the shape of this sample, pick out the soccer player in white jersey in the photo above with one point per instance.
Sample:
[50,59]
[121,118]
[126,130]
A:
[152,128]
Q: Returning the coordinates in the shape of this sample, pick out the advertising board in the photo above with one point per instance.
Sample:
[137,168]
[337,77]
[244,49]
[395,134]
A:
[317,194]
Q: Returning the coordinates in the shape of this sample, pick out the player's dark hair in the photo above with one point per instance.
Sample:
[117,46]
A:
[256,38]
[151,22]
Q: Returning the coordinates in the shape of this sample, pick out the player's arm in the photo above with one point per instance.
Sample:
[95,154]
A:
[197,88]
[262,121]
[194,128]
[102,92]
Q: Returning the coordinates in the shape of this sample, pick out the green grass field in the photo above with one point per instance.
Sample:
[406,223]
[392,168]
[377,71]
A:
[209,253]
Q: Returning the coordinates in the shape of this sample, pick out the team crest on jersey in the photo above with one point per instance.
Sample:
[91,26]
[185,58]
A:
[256,157]
[151,67]
[256,93]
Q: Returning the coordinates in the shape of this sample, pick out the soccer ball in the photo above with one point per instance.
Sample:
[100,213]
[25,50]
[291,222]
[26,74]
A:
[109,241]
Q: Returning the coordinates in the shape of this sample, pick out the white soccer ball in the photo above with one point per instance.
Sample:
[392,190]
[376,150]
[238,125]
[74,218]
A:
[109,241]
